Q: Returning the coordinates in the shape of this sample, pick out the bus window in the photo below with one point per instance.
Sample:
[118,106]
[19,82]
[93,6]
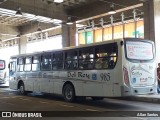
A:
[105,56]
[86,58]
[71,61]
[27,66]
[57,62]
[36,63]
[20,64]
[139,51]
[12,68]
[46,62]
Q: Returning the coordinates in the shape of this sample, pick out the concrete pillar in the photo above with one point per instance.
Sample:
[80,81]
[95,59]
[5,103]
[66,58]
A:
[152,23]
[149,29]
[72,32]
[65,36]
[68,35]
[22,44]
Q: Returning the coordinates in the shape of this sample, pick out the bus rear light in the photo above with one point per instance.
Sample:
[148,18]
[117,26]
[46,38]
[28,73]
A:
[126,78]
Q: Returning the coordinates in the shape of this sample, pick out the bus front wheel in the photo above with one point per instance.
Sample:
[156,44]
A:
[69,93]
[22,89]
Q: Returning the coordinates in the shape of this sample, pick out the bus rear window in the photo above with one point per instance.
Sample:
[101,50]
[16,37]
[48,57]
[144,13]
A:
[139,50]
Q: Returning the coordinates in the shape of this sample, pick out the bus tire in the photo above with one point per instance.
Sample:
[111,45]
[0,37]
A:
[22,89]
[69,93]
[97,98]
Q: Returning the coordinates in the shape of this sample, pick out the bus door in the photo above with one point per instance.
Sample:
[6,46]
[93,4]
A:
[12,75]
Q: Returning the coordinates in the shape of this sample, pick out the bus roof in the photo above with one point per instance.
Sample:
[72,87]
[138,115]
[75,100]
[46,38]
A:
[76,47]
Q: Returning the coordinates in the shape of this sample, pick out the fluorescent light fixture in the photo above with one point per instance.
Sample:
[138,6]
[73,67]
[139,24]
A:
[29,16]
[43,19]
[58,1]
[69,21]
[39,29]
[18,13]
[56,21]
[112,11]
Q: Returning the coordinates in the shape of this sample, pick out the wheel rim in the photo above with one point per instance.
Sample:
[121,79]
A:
[68,94]
[21,89]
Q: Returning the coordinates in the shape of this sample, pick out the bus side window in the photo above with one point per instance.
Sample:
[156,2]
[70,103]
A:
[86,58]
[105,56]
[54,64]
[20,64]
[111,64]
[89,61]
[81,59]
[98,63]
[75,62]
[86,61]
[71,61]
[12,68]
[36,63]
[68,62]
[46,62]
[57,62]
[112,60]
[27,66]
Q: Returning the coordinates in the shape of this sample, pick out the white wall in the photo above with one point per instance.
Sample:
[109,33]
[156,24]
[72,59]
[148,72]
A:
[44,45]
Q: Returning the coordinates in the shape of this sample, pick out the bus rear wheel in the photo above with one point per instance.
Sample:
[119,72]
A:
[69,93]
[22,89]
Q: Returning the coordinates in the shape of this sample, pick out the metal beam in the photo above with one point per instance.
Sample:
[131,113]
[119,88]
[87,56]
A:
[37,7]
[105,14]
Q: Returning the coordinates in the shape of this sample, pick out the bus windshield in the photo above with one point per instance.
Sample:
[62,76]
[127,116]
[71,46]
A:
[139,50]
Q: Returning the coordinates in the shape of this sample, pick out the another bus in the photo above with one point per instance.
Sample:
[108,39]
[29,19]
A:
[116,68]
[2,72]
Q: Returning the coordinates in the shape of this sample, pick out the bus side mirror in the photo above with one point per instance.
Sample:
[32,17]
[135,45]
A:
[2,64]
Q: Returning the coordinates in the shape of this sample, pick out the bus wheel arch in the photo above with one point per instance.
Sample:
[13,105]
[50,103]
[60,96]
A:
[68,92]
[21,87]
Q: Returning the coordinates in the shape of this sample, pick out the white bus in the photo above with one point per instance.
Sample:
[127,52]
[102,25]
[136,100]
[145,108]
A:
[124,67]
[2,72]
